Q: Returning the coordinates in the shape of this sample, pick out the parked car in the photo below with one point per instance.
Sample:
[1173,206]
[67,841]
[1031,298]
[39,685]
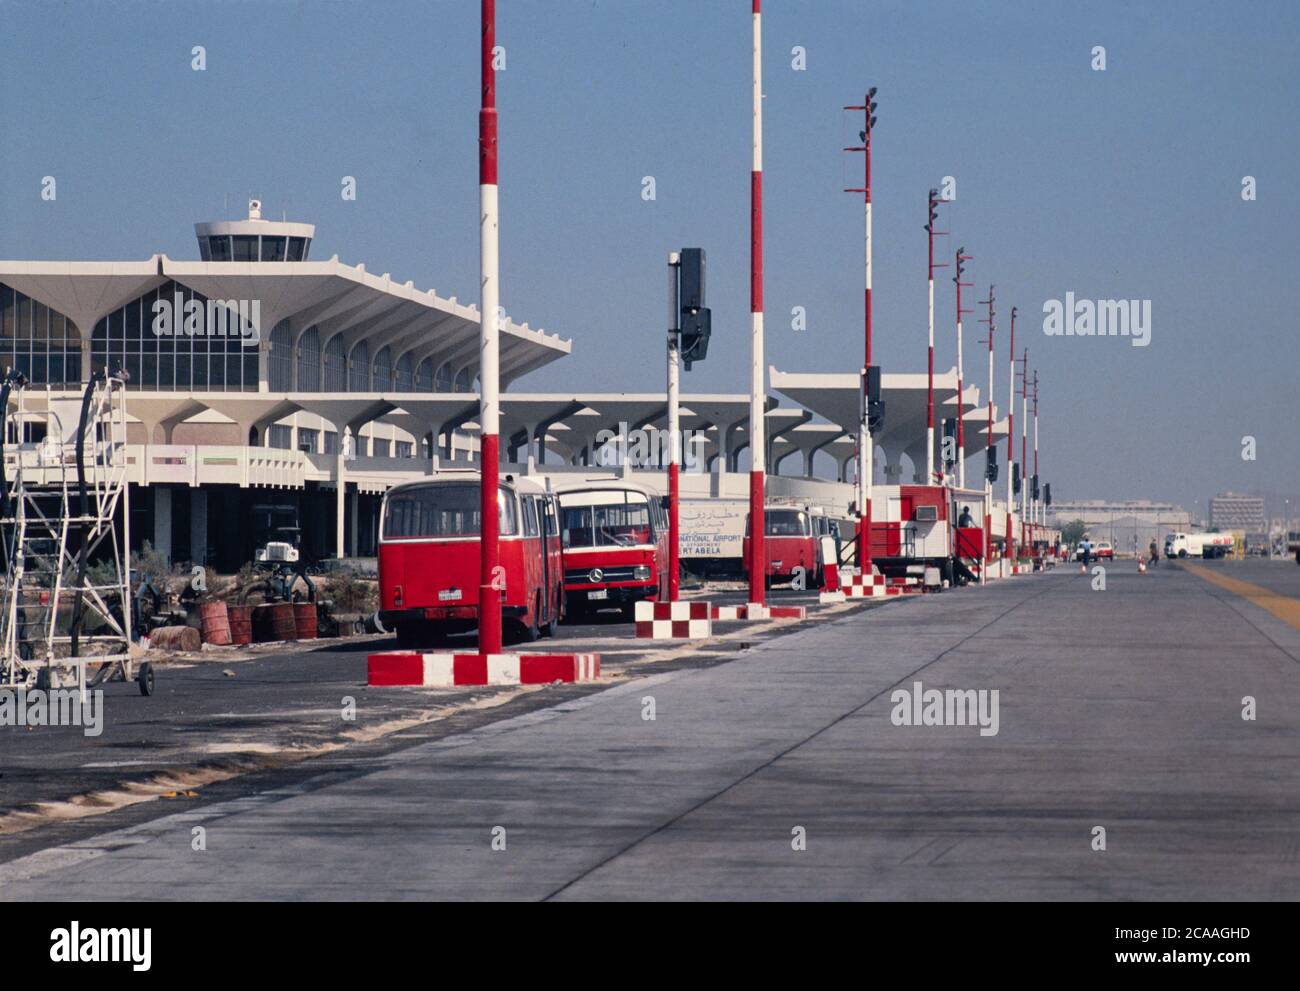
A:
[1102,550]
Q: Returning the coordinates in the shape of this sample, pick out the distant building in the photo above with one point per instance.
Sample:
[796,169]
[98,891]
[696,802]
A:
[1127,524]
[1230,511]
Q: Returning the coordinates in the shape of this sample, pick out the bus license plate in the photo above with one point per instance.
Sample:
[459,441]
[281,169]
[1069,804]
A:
[449,595]
[600,593]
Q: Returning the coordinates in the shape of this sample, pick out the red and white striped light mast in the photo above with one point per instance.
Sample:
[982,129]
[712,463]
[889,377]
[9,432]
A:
[489,599]
[1024,443]
[1011,433]
[988,483]
[1037,504]
[757,393]
[865,452]
[962,258]
[929,392]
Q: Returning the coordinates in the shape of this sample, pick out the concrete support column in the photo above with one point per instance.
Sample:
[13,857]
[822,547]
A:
[340,530]
[199,525]
[893,474]
[352,510]
[162,521]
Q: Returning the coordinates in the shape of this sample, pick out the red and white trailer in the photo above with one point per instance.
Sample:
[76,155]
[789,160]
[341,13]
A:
[917,527]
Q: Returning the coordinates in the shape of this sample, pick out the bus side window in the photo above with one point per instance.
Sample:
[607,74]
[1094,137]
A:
[552,527]
[530,516]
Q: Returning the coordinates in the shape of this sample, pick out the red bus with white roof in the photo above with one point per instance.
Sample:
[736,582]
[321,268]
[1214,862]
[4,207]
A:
[615,538]
[790,544]
[429,557]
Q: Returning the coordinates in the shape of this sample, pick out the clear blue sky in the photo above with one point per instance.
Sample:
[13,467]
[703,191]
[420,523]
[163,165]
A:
[1122,183]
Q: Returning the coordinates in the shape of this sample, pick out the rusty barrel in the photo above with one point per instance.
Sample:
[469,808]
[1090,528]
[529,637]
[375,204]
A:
[304,620]
[241,624]
[274,621]
[215,622]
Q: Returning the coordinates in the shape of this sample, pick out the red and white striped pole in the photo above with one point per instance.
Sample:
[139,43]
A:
[988,484]
[1024,444]
[757,392]
[929,363]
[962,258]
[1011,450]
[674,426]
[1037,505]
[489,598]
[866,467]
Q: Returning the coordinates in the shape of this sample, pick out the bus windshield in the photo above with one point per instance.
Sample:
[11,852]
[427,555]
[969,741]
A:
[786,523]
[620,525]
[443,509]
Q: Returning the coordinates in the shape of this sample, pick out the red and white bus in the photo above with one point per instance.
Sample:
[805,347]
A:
[429,558]
[790,543]
[615,537]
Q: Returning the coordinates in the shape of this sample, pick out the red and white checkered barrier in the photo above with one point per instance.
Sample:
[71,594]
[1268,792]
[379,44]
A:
[412,668]
[674,620]
[864,586]
[749,612]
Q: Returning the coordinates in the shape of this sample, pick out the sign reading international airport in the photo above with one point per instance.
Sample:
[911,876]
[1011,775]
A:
[712,529]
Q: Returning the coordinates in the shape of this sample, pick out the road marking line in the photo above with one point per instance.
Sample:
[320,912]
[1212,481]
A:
[1284,607]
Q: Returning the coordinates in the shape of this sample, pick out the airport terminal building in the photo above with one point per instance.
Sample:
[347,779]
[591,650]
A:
[260,377]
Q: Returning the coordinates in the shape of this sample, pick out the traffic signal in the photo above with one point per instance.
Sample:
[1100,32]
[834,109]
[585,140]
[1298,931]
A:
[991,465]
[1015,479]
[949,443]
[1047,494]
[696,320]
[1033,488]
[875,405]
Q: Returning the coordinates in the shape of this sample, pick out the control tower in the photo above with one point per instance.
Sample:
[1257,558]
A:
[254,239]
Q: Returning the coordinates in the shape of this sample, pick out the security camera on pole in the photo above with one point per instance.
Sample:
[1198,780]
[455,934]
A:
[929,364]
[869,379]
[962,258]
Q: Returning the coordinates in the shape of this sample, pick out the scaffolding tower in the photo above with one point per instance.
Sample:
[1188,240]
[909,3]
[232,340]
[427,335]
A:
[64,520]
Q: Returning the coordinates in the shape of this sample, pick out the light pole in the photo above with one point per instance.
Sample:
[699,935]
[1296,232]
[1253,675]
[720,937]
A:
[929,364]
[988,483]
[962,258]
[757,376]
[489,599]
[1011,451]
[865,453]
[674,422]
[1024,444]
[1034,490]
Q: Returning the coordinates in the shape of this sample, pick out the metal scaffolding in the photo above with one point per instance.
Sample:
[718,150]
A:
[64,523]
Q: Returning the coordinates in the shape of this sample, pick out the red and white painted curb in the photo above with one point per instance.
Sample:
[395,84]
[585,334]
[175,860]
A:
[411,668]
[751,612]
[673,620]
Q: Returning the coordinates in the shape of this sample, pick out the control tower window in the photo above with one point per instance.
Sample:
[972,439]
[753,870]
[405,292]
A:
[245,248]
[272,249]
[205,253]
[220,248]
[297,249]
